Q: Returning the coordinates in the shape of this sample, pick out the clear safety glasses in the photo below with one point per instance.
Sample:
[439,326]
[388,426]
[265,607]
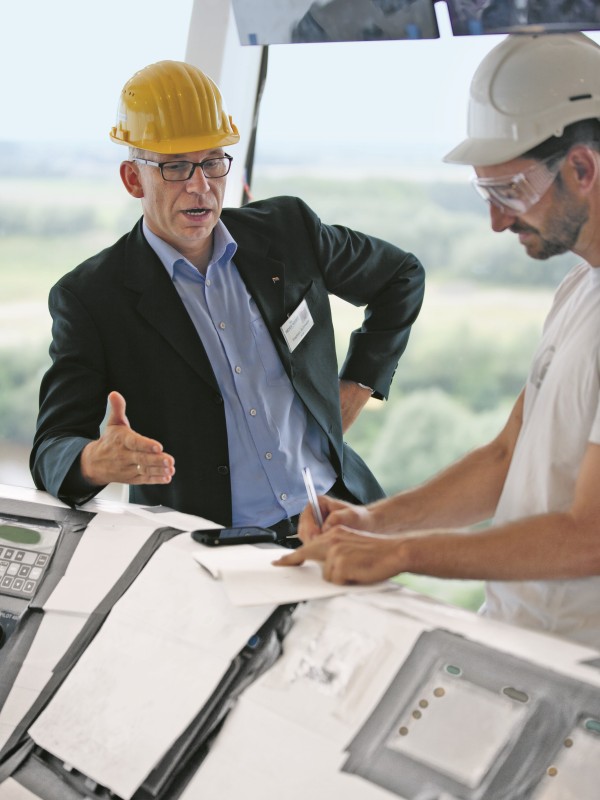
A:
[518,193]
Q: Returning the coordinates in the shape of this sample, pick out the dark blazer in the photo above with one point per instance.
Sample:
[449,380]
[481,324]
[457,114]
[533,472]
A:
[119,324]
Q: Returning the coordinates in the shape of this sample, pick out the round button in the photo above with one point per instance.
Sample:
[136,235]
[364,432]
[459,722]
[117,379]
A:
[268,456]
[208,282]
[238,370]
[218,399]
[252,412]
[222,326]
[283,496]
[223,470]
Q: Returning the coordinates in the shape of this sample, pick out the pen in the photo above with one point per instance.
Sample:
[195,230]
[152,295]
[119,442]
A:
[312,496]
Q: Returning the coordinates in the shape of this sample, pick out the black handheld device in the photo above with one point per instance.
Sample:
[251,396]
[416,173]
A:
[245,535]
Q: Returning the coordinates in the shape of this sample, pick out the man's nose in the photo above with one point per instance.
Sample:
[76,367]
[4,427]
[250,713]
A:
[198,182]
[501,218]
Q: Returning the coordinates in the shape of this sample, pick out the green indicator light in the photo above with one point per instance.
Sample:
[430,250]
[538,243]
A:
[453,670]
[593,725]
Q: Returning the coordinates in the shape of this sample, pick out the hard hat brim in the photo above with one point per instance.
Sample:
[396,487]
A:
[188,144]
[485,152]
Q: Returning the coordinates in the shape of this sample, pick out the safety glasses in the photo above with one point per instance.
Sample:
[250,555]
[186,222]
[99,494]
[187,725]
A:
[518,193]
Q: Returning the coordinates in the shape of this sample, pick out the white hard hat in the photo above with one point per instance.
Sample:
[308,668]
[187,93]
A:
[527,89]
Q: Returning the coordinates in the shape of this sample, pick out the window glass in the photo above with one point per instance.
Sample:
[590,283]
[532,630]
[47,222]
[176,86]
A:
[64,64]
[356,129]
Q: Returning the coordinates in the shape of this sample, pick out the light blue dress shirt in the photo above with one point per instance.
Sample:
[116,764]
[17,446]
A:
[270,434]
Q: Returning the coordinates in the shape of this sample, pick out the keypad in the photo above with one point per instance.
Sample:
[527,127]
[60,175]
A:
[21,571]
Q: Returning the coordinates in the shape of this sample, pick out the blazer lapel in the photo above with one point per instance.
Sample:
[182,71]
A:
[160,305]
[265,278]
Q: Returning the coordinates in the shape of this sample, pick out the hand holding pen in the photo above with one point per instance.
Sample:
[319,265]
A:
[312,496]
[328,511]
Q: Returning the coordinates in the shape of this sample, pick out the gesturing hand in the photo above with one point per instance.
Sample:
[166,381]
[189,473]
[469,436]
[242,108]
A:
[123,456]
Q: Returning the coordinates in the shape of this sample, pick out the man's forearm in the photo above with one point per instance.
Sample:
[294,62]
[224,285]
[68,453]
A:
[353,398]
[463,494]
[544,547]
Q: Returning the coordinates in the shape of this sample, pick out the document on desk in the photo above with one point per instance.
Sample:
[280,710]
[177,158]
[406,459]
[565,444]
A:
[150,669]
[250,578]
[111,541]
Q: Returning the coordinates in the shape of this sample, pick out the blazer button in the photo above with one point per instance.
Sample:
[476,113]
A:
[223,470]
[218,399]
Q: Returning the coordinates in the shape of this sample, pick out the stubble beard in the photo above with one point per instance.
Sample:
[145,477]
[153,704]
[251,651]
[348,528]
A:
[565,226]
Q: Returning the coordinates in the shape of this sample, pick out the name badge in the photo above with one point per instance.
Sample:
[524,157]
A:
[297,325]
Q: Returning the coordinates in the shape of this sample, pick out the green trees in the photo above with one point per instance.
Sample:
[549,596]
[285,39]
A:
[20,375]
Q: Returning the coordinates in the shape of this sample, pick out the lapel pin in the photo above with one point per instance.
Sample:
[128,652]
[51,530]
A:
[275,279]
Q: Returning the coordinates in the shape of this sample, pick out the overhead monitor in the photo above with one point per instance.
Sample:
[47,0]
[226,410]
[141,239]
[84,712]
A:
[473,17]
[263,22]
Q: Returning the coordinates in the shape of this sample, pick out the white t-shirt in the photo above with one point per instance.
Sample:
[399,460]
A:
[561,415]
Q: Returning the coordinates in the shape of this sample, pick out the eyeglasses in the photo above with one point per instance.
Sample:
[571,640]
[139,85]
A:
[518,193]
[183,170]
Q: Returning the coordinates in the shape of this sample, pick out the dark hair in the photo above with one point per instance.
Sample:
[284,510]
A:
[585,131]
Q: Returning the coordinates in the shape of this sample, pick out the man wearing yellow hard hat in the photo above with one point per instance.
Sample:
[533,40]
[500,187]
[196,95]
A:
[210,332]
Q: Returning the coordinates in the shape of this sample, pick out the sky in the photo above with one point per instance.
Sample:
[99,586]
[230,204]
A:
[64,63]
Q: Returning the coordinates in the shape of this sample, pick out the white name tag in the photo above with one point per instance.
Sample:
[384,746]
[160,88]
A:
[297,325]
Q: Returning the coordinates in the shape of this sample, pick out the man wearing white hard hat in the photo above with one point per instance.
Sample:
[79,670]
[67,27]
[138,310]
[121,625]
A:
[534,141]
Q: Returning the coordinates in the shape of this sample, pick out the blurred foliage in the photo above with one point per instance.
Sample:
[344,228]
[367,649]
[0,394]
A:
[20,375]
[474,368]
[49,221]
[421,433]
[444,223]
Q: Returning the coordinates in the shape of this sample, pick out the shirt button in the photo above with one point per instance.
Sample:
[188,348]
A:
[252,412]
[208,282]
[238,370]
[283,496]
[223,470]
[268,456]
[222,326]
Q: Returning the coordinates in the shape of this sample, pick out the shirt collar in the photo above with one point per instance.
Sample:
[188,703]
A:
[224,248]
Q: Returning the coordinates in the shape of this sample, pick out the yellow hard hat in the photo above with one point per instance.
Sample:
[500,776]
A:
[172,107]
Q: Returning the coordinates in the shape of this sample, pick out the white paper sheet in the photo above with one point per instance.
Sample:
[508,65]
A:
[108,545]
[11,790]
[155,662]
[174,519]
[288,733]
[54,636]
[250,578]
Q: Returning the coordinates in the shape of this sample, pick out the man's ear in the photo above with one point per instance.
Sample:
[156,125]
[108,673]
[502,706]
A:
[131,179]
[584,163]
